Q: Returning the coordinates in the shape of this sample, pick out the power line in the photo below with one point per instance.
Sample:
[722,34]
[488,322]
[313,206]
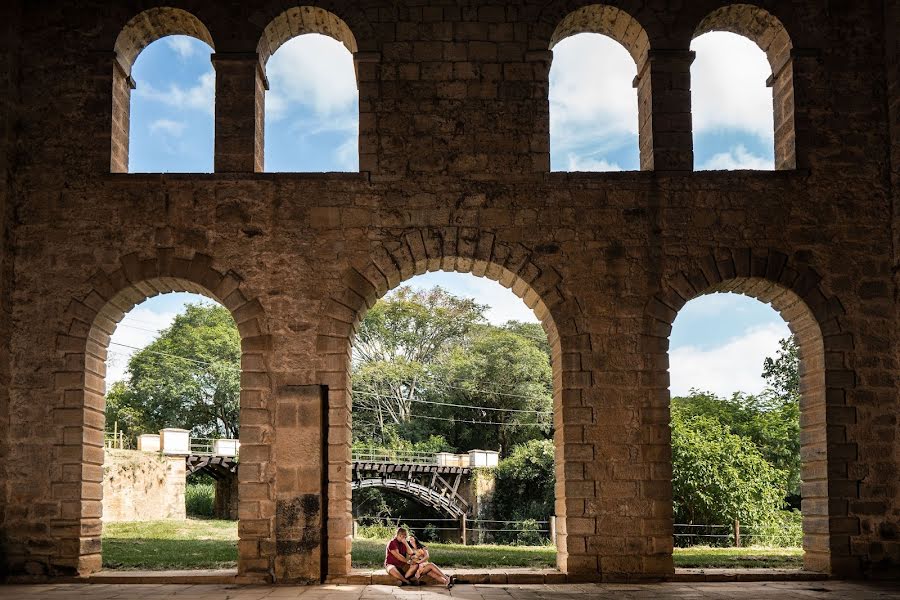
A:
[194,360]
[516,410]
[466,421]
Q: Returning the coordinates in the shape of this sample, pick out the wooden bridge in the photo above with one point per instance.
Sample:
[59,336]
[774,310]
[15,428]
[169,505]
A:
[437,480]
[433,485]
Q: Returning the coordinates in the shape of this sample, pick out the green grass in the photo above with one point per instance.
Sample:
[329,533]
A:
[369,554]
[209,544]
[154,545]
[739,558]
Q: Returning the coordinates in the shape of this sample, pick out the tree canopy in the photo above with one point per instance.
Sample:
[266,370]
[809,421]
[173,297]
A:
[188,377]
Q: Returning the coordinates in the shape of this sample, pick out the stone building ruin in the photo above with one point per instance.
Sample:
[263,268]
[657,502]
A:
[454,175]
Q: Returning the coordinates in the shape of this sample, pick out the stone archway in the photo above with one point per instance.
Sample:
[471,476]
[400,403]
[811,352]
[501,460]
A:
[815,319]
[78,457]
[461,250]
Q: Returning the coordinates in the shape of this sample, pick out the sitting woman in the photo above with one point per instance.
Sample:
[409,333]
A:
[396,559]
[422,565]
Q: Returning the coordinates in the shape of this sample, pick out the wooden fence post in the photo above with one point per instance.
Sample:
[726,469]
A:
[355,527]
[462,529]
[737,533]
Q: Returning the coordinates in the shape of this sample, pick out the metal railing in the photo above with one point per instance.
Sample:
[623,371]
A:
[116,440]
[384,455]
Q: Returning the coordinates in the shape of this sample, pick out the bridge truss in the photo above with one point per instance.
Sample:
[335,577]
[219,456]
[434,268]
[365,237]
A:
[432,485]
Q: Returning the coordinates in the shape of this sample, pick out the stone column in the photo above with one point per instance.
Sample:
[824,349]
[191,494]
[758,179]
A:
[664,109]
[240,105]
[804,74]
[300,488]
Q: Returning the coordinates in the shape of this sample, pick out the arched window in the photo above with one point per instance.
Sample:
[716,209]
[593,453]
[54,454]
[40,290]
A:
[742,91]
[163,94]
[598,53]
[312,104]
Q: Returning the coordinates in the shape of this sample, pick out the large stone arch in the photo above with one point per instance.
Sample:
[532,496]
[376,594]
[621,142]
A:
[463,250]
[817,321]
[767,32]
[77,471]
[139,32]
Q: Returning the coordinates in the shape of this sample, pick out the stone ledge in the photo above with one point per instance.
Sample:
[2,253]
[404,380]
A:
[552,576]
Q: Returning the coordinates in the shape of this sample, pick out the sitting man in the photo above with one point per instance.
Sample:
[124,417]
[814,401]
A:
[396,561]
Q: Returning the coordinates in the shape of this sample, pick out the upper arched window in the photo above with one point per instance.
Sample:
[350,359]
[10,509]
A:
[595,120]
[312,104]
[163,94]
[742,91]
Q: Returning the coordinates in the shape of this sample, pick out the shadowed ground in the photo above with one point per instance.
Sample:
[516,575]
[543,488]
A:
[694,591]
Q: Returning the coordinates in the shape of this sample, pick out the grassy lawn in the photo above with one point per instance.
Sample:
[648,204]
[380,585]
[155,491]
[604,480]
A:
[209,544]
[189,544]
[369,554]
[739,558]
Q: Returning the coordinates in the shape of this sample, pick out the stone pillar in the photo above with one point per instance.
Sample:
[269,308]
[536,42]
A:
[240,105]
[226,501]
[664,110]
[301,488]
[804,74]
[367,66]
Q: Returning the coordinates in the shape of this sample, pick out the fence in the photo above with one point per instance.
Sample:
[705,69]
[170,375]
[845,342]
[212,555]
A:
[116,440]
[478,531]
[486,531]
[382,455]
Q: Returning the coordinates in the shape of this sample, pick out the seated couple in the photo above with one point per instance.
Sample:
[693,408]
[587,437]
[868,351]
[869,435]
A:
[406,560]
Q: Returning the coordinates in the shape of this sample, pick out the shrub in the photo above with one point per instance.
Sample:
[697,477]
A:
[200,499]
[378,530]
[784,530]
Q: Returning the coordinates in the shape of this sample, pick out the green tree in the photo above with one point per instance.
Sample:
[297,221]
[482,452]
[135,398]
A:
[506,373]
[782,373]
[719,476]
[524,483]
[187,377]
[398,341]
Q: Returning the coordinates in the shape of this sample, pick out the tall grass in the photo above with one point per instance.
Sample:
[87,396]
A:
[199,499]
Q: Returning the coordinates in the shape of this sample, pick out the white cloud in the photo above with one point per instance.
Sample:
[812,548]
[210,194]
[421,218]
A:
[734,366]
[314,71]
[139,327]
[592,100]
[737,158]
[200,96]
[183,45]
[347,154]
[579,163]
[728,85]
[168,127]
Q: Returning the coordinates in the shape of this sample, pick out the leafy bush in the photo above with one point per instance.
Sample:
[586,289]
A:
[719,476]
[378,530]
[530,533]
[524,491]
[783,530]
[200,499]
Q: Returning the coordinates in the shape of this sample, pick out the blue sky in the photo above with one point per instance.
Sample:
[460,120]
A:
[718,342]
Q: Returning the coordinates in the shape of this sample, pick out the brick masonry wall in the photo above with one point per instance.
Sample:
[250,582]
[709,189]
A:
[454,141]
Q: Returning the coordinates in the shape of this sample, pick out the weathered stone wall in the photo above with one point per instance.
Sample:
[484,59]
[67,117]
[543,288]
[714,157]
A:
[142,486]
[454,152]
